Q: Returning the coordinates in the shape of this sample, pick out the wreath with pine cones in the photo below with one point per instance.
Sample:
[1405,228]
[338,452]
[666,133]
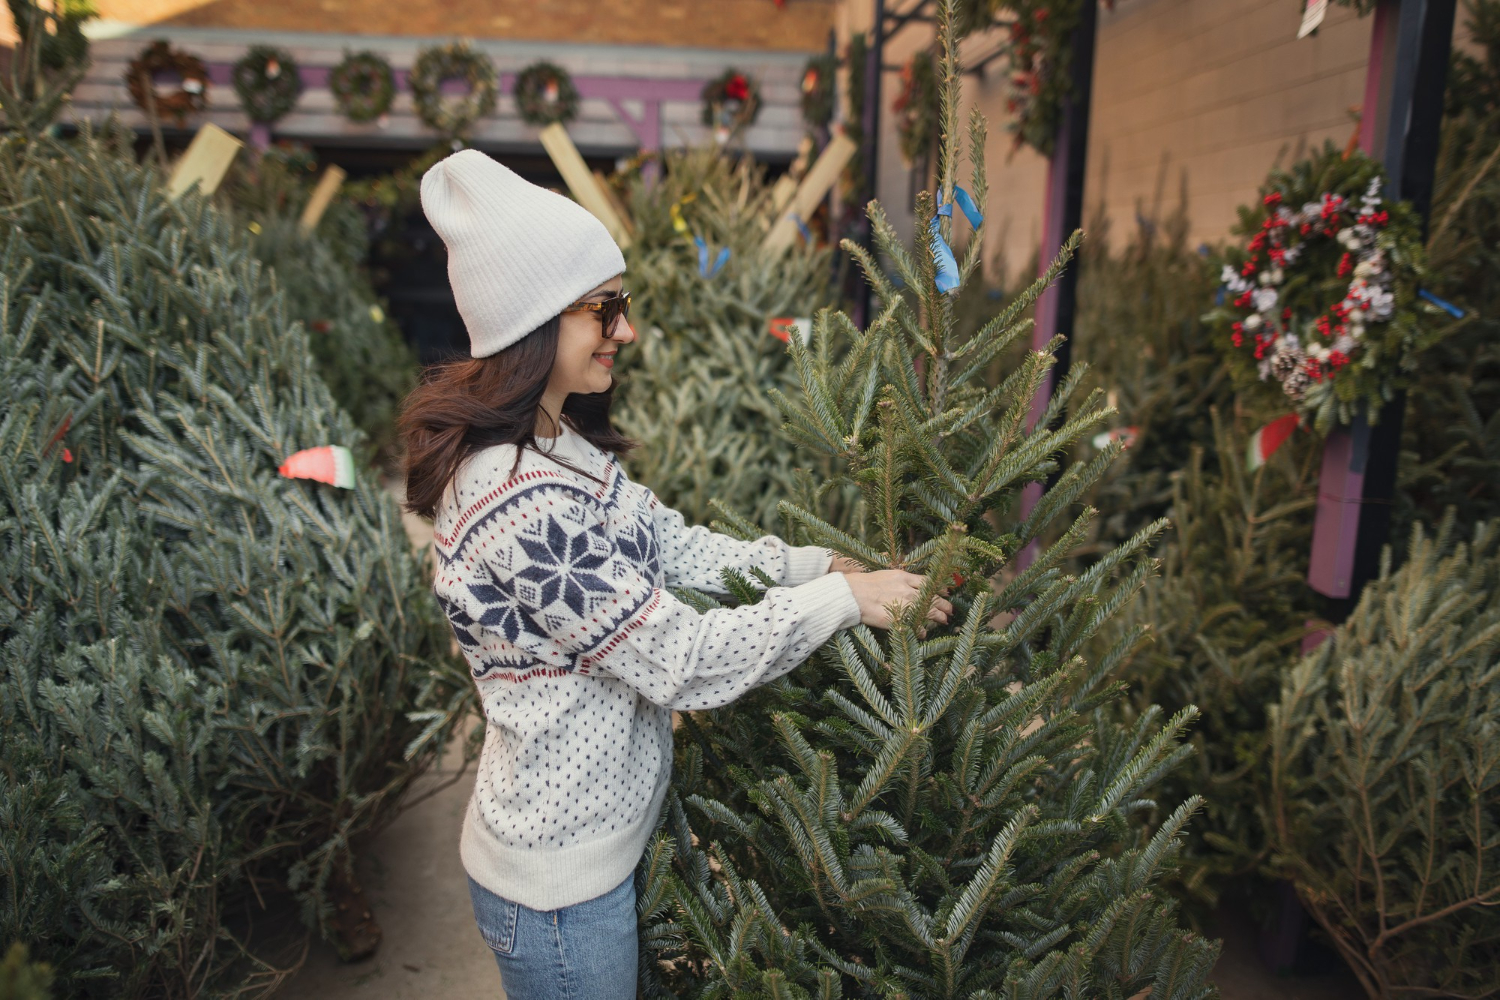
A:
[268,83]
[453,116]
[1323,300]
[545,94]
[157,59]
[363,86]
[731,102]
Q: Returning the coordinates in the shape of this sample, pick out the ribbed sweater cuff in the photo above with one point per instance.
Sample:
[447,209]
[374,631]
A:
[828,605]
[806,563]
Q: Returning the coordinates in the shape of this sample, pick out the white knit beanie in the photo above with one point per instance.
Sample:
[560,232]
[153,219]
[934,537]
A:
[518,254]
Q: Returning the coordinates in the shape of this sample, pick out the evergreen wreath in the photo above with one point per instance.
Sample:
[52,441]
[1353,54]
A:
[363,86]
[267,82]
[731,101]
[191,95]
[818,91]
[453,117]
[1323,298]
[1041,67]
[916,107]
[545,94]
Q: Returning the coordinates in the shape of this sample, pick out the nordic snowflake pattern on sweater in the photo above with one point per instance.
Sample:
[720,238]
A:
[551,564]
[556,585]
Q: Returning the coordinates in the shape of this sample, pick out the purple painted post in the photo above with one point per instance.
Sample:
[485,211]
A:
[1341,487]
[1403,105]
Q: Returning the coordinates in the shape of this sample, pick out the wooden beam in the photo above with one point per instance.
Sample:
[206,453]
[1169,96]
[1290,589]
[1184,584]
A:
[580,180]
[818,182]
[204,163]
[322,197]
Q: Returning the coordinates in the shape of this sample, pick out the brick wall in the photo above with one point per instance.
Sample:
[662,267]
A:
[1193,102]
[800,25]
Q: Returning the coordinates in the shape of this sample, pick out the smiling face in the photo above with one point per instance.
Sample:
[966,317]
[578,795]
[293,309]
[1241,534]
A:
[584,357]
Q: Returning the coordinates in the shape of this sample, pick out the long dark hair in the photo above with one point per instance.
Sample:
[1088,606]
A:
[462,406]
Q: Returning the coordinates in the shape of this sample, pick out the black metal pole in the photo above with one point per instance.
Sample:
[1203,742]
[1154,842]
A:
[1062,214]
[874,69]
[1357,490]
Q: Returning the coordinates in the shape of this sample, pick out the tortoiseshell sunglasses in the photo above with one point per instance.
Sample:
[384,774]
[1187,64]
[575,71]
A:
[614,308]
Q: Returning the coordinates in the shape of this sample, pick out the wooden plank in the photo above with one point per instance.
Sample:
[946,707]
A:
[322,197]
[205,162]
[814,187]
[580,179]
[614,202]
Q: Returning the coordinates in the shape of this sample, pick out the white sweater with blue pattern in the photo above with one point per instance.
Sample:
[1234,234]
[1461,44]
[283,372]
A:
[556,587]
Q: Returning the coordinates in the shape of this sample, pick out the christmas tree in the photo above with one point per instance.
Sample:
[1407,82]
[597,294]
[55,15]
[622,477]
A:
[212,679]
[1384,771]
[322,276]
[697,390]
[933,811]
[1225,613]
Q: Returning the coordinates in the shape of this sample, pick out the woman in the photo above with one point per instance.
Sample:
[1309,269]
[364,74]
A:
[554,569]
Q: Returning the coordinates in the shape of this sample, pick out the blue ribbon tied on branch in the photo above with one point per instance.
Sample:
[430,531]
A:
[942,253]
[704,268]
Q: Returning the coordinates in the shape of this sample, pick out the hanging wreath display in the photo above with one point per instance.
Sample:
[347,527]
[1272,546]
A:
[730,103]
[159,60]
[818,79]
[1323,299]
[268,83]
[363,86]
[545,94]
[916,108]
[453,115]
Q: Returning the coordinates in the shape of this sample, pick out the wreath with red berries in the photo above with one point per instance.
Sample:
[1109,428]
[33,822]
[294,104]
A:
[916,107]
[731,102]
[818,90]
[1322,300]
[545,94]
[160,59]
[268,83]
[363,86]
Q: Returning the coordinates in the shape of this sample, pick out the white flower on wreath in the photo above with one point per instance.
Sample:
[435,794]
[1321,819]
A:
[1233,280]
[1265,299]
[1252,322]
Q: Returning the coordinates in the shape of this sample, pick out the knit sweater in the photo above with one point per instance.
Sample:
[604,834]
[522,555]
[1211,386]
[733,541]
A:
[556,587]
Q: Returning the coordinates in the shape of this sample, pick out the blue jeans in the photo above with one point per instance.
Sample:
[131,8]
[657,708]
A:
[586,951]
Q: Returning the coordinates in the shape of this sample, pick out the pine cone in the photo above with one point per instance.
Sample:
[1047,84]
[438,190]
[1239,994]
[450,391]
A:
[1284,362]
[1295,384]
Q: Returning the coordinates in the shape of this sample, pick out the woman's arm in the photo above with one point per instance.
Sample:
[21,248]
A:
[562,594]
[695,556]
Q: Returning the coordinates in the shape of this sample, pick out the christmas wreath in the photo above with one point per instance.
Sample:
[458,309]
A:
[545,94]
[730,102]
[267,82]
[916,107]
[160,59]
[363,85]
[818,80]
[1323,298]
[453,116]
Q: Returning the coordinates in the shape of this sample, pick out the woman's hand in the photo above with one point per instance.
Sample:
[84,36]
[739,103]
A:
[843,564]
[876,592]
